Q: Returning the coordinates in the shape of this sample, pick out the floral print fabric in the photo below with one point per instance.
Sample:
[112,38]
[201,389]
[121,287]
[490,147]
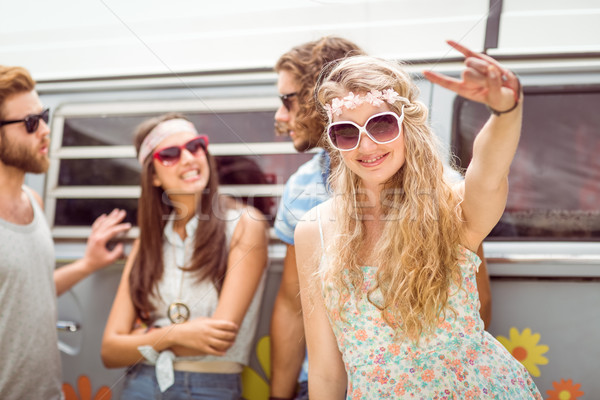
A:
[459,361]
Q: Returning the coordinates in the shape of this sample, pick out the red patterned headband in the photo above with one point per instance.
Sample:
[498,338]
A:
[163,131]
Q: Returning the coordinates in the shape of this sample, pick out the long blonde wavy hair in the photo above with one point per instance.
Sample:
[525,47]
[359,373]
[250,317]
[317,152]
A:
[416,254]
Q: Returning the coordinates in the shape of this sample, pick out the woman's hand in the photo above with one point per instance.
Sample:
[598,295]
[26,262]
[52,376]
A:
[483,80]
[485,188]
[204,335]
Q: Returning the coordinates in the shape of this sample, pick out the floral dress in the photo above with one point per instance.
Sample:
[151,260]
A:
[459,361]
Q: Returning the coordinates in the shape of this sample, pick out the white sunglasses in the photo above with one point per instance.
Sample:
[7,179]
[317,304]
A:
[382,128]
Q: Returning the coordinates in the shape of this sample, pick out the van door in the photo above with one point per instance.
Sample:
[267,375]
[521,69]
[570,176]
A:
[94,169]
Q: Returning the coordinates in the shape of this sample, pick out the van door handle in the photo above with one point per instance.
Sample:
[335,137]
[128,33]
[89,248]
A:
[67,326]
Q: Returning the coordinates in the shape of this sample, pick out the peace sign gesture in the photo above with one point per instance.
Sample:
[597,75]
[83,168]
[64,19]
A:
[483,80]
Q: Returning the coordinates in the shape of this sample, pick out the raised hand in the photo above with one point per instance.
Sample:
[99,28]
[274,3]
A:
[105,228]
[483,80]
[205,335]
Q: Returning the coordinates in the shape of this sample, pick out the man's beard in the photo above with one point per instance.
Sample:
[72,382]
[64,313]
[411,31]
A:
[21,157]
[303,146]
[283,129]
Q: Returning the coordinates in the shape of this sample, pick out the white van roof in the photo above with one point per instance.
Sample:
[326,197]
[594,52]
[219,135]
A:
[71,39]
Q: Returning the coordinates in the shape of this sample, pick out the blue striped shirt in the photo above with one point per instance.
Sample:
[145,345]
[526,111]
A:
[306,188]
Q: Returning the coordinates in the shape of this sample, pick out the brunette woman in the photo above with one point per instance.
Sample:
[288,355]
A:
[194,278]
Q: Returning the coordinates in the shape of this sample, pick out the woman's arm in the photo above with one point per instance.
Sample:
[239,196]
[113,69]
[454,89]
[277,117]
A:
[486,182]
[120,344]
[327,377]
[245,266]
[119,347]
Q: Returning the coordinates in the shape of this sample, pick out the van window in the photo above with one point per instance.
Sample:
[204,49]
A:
[96,168]
[554,191]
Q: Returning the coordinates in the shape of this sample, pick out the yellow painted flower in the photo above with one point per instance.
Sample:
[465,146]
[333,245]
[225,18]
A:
[254,387]
[524,347]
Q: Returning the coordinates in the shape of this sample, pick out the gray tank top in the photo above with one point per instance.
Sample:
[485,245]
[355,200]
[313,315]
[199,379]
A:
[30,367]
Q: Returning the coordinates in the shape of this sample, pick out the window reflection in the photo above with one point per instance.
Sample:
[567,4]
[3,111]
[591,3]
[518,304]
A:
[221,127]
[277,169]
[96,167]
[99,171]
[100,131]
[240,170]
[554,191]
[83,212]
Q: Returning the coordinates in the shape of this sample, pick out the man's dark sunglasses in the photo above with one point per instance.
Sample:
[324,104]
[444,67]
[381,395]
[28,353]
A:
[286,99]
[31,121]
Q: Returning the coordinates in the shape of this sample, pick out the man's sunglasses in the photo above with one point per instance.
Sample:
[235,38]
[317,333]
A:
[170,155]
[32,121]
[381,128]
[286,99]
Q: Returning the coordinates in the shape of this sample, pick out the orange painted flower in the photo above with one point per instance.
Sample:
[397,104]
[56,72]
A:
[565,390]
[524,347]
[85,391]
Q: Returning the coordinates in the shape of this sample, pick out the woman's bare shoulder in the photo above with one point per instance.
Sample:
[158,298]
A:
[251,223]
[308,229]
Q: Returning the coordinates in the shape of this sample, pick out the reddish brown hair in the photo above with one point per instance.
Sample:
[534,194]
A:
[305,63]
[13,80]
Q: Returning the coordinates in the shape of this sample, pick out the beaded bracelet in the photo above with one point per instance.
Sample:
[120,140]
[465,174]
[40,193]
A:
[517,96]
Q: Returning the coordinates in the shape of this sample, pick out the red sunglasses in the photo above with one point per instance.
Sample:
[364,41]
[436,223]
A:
[169,156]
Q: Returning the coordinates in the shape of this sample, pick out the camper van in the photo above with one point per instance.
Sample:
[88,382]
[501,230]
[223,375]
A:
[103,67]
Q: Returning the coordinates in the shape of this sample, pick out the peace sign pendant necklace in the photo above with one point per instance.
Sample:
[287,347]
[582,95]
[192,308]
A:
[178,312]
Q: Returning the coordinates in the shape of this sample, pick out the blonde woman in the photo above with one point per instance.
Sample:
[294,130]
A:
[387,266]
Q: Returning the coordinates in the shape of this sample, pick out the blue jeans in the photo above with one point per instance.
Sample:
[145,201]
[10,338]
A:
[302,391]
[141,384]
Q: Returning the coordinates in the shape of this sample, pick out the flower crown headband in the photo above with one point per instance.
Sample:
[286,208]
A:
[374,97]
